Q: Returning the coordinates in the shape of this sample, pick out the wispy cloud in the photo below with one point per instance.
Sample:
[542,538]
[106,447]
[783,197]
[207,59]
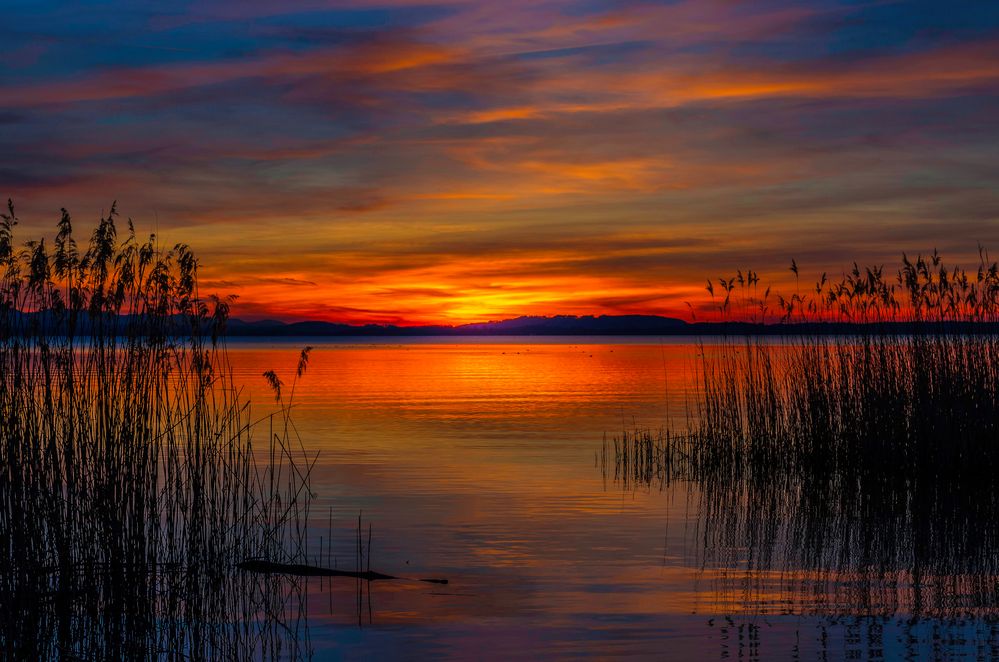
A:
[459,160]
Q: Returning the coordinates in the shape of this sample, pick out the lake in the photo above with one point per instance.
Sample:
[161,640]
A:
[481,461]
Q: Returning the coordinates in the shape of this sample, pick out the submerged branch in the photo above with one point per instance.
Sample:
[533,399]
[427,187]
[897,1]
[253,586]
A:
[301,570]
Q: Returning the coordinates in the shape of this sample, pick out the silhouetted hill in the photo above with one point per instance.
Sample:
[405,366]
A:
[573,325]
[557,325]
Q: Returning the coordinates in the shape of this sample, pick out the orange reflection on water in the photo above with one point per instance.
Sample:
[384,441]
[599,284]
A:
[478,461]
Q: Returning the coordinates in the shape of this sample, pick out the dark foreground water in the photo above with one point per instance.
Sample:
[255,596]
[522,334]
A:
[481,461]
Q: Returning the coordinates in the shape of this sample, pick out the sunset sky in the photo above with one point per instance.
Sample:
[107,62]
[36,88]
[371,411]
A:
[457,161]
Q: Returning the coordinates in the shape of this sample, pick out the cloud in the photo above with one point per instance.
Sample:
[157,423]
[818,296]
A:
[415,161]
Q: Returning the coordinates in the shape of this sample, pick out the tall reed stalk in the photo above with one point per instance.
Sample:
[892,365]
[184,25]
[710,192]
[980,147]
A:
[130,483]
[852,474]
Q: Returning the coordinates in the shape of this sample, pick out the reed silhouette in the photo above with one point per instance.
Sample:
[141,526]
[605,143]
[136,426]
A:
[131,485]
[854,475]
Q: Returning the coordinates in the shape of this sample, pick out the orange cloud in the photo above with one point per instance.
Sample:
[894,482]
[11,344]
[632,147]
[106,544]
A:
[507,158]
[499,115]
[380,58]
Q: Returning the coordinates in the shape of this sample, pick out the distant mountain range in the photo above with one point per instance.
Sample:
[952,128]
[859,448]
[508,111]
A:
[587,325]
[559,325]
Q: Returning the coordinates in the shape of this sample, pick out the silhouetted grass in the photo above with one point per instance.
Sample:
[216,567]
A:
[847,474]
[130,483]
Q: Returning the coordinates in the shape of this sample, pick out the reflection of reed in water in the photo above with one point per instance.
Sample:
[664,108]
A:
[774,546]
[130,485]
[848,475]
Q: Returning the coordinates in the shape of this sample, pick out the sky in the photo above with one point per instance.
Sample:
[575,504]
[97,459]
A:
[459,161]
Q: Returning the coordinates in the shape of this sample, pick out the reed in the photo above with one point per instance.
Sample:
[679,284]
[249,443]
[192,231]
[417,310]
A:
[847,474]
[130,482]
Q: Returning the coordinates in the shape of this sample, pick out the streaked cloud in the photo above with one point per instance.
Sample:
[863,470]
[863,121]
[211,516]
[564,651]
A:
[464,160]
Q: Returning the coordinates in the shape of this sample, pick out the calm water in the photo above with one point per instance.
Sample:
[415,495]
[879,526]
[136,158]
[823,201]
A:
[478,461]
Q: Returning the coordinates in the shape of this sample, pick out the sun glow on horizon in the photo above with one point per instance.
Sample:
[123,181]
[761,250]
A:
[392,162]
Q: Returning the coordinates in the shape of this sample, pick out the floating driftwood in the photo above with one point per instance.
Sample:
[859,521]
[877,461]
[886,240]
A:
[301,570]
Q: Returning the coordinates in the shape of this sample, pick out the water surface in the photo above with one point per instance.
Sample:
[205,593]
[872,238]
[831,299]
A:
[479,460]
